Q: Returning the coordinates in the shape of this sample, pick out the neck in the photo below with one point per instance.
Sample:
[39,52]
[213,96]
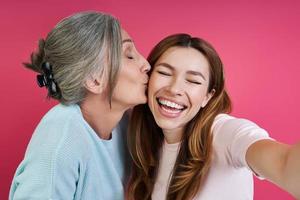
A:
[173,135]
[100,116]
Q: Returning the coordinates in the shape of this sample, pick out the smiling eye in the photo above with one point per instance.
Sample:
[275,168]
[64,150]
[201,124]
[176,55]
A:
[164,73]
[194,82]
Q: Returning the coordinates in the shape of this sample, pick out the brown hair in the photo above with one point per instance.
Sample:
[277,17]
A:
[81,46]
[145,138]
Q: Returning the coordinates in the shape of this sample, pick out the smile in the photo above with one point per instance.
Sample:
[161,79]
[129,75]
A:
[170,108]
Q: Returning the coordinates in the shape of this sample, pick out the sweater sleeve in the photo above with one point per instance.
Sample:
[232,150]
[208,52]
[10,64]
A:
[49,171]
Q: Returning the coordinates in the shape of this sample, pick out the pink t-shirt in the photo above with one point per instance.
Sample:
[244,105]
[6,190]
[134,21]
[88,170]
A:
[229,177]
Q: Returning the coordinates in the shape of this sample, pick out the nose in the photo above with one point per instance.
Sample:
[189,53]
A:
[175,87]
[145,66]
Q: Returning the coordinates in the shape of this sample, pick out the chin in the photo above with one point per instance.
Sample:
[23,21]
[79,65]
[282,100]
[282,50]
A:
[166,125]
[139,101]
[143,100]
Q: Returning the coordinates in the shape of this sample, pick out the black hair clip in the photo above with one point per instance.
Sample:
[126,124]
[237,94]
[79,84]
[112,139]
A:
[47,69]
[41,80]
[47,79]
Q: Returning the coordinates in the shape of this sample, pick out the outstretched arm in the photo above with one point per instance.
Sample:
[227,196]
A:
[277,162]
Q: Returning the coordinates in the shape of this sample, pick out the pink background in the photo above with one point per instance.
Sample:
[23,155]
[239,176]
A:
[258,42]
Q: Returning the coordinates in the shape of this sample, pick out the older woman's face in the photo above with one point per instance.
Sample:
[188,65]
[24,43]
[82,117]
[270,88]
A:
[132,79]
[178,87]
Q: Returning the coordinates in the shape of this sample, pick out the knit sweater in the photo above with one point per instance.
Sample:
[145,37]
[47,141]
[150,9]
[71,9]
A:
[66,159]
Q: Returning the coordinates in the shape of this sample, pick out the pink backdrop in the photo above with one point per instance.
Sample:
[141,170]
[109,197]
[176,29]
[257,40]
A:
[258,42]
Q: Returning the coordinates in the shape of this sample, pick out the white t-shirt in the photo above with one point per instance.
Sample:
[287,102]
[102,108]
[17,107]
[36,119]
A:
[229,177]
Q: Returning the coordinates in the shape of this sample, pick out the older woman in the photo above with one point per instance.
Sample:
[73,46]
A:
[88,63]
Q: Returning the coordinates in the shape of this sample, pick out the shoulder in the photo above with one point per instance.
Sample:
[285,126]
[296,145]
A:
[61,120]
[228,123]
[60,114]
[57,155]
[234,133]
[61,131]
[232,137]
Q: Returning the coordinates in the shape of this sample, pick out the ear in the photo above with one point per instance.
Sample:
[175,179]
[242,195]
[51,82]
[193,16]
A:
[95,85]
[208,97]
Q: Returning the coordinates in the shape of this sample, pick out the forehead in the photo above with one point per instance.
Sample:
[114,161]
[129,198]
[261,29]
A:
[125,35]
[184,58]
[127,42]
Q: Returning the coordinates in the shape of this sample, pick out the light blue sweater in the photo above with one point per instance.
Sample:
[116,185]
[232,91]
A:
[65,159]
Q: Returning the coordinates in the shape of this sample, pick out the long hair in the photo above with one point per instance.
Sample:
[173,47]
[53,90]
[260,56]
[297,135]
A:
[145,138]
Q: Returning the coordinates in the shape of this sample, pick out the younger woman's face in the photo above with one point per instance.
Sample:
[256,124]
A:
[132,79]
[178,88]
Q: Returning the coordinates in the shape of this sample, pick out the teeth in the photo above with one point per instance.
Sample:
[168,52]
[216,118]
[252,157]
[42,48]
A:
[171,111]
[170,104]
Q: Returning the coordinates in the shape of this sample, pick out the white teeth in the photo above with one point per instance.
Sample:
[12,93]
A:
[170,104]
[171,111]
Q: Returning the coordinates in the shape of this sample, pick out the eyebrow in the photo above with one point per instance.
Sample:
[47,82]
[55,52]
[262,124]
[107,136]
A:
[196,73]
[127,40]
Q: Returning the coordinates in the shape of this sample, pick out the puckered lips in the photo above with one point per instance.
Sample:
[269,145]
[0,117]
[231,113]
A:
[170,108]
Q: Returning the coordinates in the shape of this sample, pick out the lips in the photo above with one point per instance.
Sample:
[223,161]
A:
[170,109]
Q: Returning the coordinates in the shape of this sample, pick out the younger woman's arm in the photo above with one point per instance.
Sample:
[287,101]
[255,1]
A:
[277,162]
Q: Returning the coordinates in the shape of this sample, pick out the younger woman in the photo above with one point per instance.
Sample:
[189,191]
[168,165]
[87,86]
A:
[184,143]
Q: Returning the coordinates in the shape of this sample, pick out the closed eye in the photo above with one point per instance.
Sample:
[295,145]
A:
[164,73]
[130,57]
[194,82]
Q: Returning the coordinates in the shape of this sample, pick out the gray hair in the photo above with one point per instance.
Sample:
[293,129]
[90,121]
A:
[81,46]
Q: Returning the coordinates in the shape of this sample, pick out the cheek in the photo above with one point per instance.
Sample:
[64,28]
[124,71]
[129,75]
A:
[151,85]
[152,90]
[197,97]
[127,75]
[150,93]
